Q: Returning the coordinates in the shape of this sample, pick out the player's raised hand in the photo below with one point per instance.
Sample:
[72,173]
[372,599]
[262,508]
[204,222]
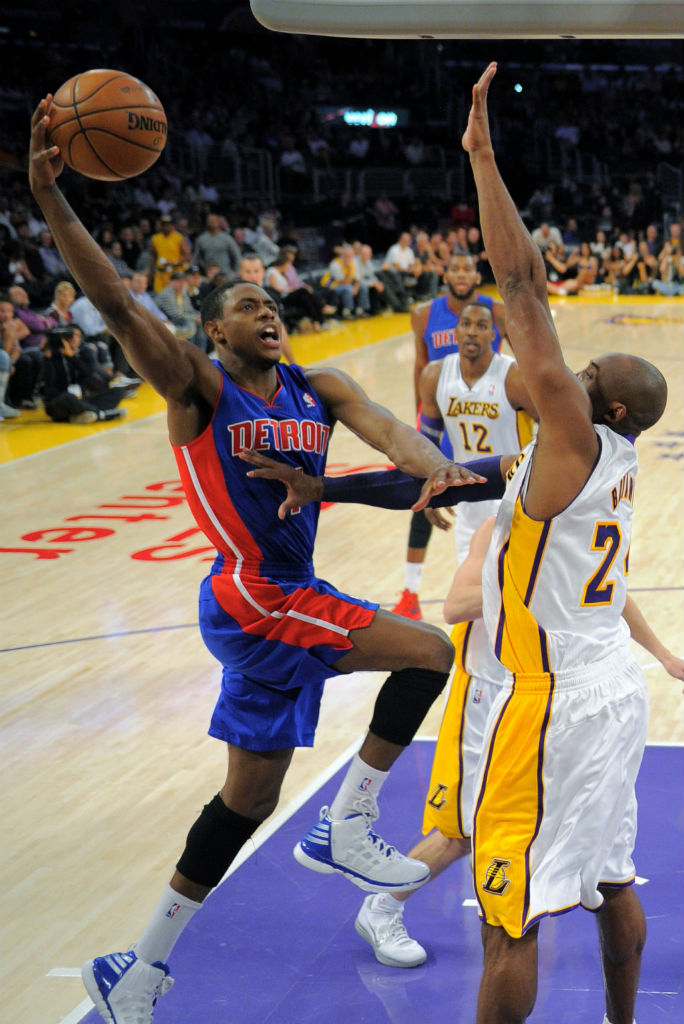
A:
[448,475]
[301,488]
[476,136]
[45,163]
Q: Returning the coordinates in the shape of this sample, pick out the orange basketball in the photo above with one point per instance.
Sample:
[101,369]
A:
[107,124]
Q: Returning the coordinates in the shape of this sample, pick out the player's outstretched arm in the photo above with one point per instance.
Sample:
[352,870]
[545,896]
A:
[518,267]
[152,350]
[644,635]
[463,603]
[383,488]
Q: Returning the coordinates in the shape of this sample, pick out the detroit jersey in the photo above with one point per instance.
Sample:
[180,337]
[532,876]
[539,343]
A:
[440,331]
[239,514]
[554,589]
[479,420]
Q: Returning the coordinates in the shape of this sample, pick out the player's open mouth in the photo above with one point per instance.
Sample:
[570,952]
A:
[270,333]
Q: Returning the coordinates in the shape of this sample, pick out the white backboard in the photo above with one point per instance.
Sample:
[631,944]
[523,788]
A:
[475,19]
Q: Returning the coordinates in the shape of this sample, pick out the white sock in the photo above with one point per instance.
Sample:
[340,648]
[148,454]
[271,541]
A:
[360,779]
[168,920]
[412,574]
[385,903]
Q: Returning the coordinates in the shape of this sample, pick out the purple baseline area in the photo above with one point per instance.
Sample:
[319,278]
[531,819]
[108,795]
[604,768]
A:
[275,944]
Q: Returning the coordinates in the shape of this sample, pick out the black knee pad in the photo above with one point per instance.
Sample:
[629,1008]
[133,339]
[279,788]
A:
[403,702]
[213,843]
[420,530]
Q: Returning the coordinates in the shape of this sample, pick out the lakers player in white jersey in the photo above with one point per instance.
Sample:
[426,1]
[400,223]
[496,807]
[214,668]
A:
[554,819]
[479,398]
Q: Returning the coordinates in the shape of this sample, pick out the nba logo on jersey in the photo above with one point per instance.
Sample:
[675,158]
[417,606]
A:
[477,696]
[308,400]
[492,389]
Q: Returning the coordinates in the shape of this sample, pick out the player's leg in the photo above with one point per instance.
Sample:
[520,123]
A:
[124,985]
[419,536]
[622,935]
[508,987]
[380,920]
[419,657]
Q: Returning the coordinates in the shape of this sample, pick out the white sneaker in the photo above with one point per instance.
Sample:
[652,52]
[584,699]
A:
[123,988]
[385,931]
[351,848]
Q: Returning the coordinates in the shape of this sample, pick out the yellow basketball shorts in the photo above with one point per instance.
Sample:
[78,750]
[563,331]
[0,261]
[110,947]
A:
[555,811]
[449,803]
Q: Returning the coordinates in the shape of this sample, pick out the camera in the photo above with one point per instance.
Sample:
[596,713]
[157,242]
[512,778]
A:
[56,335]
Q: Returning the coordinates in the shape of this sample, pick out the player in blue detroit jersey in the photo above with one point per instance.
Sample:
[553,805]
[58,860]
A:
[278,631]
[434,327]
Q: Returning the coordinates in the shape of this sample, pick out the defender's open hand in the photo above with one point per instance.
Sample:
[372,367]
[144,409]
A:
[301,488]
[476,136]
[450,475]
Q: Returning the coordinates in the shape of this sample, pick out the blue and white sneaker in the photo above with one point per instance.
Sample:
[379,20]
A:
[123,988]
[351,848]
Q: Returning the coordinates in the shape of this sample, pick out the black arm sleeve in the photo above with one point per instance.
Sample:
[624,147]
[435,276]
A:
[391,488]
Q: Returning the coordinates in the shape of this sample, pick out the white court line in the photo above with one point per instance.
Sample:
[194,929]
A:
[79,1012]
[64,972]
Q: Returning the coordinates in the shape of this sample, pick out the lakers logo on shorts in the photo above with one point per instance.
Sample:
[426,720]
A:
[495,877]
[438,797]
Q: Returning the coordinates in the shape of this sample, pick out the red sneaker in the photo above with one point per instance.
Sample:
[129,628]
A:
[408,605]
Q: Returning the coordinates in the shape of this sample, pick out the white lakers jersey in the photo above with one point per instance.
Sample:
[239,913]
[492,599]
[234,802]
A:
[479,421]
[554,589]
[474,652]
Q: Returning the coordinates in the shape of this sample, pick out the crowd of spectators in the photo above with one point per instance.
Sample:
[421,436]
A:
[175,232]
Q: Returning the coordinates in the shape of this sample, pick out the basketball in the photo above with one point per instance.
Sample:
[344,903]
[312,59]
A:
[107,124]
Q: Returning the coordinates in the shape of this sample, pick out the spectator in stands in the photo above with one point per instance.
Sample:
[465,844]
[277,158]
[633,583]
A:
[384,287]
[175,304]
[25,367]
[216,245]
[670,278]
[429,279]
[386,215]
[53,264]
[617,270]
[600,249]
[401,258]
[131,247]
[342,276]
[561,277]
[170,252]
[301,307]
[114,254]
[7,411]
[68,392]
[63,299]
[647,266]
[137,285]
[545,235]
